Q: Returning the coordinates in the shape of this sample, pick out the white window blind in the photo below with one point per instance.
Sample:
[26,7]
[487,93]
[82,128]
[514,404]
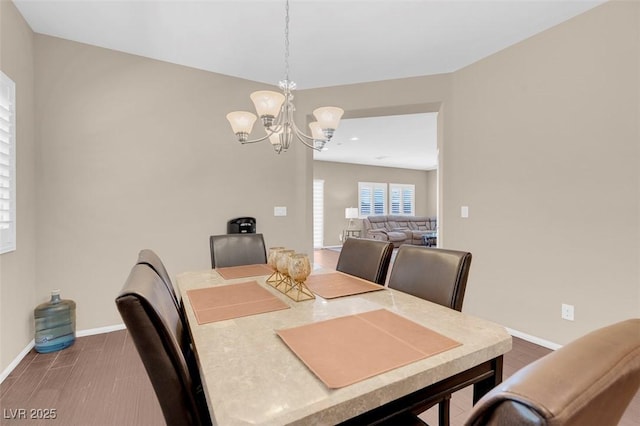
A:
[7,164]
[402,199]
[318,213]
[372,198]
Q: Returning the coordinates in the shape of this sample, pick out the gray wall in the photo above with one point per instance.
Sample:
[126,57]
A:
[341,191]
[18,268]
[139,154]
[544,149]
[539,140]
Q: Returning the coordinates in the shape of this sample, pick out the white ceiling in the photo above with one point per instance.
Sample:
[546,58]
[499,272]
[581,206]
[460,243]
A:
[404,141]
[333,42]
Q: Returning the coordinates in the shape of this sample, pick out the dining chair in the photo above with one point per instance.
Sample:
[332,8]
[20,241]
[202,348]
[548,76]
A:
[237,249]
[155,327]
[149,257]
[437,275]
[589,381]
[433,274]
[365,258]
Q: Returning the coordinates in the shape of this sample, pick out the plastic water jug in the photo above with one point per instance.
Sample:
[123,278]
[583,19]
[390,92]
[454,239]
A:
[55,324]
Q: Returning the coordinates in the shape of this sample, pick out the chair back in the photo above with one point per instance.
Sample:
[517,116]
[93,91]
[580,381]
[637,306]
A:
[365,258]
[149,257]
[589,381]
[237,249]
[433,274]
[155,327]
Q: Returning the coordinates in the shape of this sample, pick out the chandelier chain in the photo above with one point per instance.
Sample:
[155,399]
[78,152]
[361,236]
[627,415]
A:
[286,42]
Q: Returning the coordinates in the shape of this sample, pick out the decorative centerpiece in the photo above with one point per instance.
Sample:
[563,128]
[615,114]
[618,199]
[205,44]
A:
[290,271]
[282,264]
[299,269]
[271,261]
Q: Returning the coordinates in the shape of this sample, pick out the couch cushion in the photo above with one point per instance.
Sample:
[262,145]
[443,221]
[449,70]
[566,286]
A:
[403,224]
[377,222]
[396,236]
[396,222]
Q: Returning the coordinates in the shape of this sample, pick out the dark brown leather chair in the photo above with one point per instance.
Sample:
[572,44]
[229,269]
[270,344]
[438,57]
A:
[433,274]
[437,275]
[155,327]
[237,249]
[589,381]
[365,258]
[149,257]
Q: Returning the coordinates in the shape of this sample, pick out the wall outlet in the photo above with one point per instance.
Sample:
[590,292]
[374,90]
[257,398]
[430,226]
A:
[567,312]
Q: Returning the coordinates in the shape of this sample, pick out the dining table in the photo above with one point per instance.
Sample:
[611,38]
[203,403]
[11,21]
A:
[252,375]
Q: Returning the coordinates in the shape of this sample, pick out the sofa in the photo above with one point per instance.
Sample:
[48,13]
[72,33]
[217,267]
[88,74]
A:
[401,229]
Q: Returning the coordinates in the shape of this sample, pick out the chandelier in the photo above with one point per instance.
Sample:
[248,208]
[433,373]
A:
[276,113]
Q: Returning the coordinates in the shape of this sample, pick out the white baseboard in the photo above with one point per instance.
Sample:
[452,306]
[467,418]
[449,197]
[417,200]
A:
[16,361]
[100,330]
[533,339]
[31,344]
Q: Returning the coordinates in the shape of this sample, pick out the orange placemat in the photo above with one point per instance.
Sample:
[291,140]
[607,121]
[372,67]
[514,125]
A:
[337,284]
[346,350]
[244,271]
[232,301]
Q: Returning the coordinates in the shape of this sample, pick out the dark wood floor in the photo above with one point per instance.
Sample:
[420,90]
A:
[101,381]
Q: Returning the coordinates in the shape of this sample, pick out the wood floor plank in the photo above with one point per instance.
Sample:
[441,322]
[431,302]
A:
[23,387]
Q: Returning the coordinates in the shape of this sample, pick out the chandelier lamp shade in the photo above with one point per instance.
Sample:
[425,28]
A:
[276,110]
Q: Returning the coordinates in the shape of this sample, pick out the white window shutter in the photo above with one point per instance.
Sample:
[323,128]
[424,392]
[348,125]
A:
[372,198]
[402,199]
[7,164]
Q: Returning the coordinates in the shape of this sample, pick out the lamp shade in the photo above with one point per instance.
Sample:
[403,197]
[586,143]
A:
[316,130]
[275,138]
[328,117]
[267,102]
[351,212]
[241,121]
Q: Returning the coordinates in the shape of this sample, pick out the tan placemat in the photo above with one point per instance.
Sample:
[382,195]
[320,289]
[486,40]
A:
[232,301]
[337,284]
[346,350]
[244,271]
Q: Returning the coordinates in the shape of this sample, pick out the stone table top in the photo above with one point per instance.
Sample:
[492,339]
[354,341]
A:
[251,377]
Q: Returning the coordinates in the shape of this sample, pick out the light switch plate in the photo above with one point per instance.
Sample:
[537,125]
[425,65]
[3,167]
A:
[464,211]
[279,211]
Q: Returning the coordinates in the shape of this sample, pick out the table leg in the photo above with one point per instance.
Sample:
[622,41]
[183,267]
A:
[483,386]
[483,377]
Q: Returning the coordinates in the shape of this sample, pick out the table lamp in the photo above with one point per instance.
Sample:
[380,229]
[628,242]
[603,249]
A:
[351,213]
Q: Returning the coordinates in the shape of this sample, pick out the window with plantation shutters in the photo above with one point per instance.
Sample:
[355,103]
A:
[7,164]
[372,198]
[402,199]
